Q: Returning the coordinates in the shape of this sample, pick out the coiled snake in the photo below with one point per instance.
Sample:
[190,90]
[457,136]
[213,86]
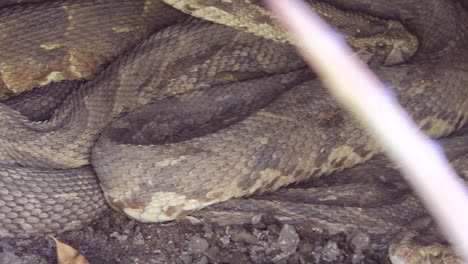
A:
[235,115]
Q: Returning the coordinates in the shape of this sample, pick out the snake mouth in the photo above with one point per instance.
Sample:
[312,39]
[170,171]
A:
[400,53]
[155,215]
[163,207]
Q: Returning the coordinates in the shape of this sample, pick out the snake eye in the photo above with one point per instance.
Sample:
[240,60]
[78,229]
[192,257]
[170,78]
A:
[381,44]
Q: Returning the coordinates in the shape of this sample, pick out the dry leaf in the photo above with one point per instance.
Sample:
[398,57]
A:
[67,254]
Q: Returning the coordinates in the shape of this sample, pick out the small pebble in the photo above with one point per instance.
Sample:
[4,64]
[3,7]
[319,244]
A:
[288,239]
[127,229]
[330,251]
[280,258]
[274,229]
[357,258]
[202,260]
[306,248]
[208,231]
[317,254]
[118,236]
[138,239]
[256,219]
[271,246]
[197,245]
[193,220]
[245,237]
[10,258]
[186,258]
[214,254]
[225,240]
[360,241]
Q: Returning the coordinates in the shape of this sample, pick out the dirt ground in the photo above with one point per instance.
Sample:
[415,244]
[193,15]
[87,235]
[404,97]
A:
[116,239]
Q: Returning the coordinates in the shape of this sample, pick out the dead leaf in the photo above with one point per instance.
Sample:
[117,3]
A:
[67,254]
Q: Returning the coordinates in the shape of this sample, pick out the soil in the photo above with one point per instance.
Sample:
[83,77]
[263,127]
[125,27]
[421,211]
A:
[117,239]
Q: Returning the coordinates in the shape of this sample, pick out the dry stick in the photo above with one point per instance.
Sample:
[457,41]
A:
[359,90]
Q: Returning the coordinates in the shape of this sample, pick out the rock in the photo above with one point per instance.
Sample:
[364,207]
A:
[288,239]
[360,241]
[257,219]
[208,230]
[225,240]
[10,258]
[357,258]
[330,251]
[274,229]
[202,260]
[186,258]
[138,239]
[118,236]
[194,220]
[197,245]
[214,254]
[127,229]
[244,236]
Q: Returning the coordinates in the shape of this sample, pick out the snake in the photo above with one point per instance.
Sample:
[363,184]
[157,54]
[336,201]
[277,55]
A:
[67,40]
[242,146]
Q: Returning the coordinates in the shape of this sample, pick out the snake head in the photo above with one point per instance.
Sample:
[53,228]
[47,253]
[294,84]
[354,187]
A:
[391,46]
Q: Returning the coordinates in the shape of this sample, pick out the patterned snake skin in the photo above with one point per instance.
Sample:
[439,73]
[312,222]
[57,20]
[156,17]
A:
[235,115]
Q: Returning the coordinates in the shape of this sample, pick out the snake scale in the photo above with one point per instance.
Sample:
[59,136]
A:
[203,153]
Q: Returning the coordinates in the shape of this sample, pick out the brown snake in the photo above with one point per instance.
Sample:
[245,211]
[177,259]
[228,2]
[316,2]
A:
[288,140]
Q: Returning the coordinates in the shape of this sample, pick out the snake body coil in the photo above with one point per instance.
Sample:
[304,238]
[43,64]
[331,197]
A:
[235,115]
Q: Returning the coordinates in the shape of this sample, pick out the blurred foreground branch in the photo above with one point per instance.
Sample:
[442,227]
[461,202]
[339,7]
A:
[359,91]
